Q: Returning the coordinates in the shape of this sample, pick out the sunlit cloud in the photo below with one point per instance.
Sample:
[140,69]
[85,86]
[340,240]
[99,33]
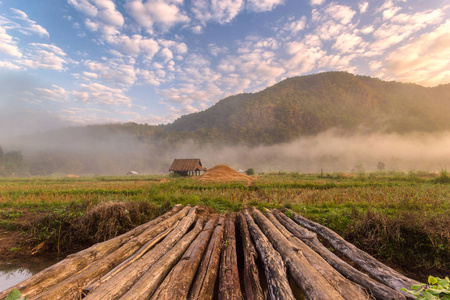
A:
[425,60]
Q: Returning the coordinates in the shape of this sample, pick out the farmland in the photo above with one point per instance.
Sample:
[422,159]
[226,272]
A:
[403,219]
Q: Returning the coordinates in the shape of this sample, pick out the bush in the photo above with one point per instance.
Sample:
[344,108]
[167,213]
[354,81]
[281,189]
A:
[250,171]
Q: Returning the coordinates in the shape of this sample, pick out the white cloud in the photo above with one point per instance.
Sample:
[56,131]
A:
[148,77]
[363,7]
[295,26]
[113,71]
[303,58]
[98,93]
[45,56]
[341,13]
[391,12]
[101,15]
[55,94]
[348,42]
[216,50]
[9,65]
[317,2]
[425,60]
[402,26]
[8,45]
[220,11]
[263,5]
[197,29]
[30,25]
[163,14]
[165,54]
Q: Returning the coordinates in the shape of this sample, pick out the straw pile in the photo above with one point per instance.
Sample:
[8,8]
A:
[223,173]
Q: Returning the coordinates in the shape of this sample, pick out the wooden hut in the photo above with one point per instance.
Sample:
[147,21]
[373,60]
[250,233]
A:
[187,167]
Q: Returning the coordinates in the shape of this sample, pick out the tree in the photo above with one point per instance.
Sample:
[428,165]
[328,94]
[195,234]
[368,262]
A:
[381,166]
[250,171]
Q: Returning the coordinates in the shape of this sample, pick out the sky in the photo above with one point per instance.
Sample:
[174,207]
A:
[150,61]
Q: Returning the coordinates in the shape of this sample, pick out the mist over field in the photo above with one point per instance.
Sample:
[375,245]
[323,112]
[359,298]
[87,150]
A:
[330,122]
[115,154]
[334,153]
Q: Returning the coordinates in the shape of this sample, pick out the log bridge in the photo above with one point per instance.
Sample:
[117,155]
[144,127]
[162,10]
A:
[190,253]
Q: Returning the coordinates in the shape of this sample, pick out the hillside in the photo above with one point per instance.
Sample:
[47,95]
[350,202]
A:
[296,107]
[307,105]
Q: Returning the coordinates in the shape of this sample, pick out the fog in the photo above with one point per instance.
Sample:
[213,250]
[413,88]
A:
[75,152]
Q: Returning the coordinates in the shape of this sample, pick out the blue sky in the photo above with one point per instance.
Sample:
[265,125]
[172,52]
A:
[151,61]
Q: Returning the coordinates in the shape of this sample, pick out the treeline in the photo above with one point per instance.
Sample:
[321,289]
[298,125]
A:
[11,163]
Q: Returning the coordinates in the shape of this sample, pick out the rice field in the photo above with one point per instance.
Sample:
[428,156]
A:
[400,218]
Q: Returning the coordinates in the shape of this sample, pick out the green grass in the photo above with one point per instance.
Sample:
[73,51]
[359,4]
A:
[402,218]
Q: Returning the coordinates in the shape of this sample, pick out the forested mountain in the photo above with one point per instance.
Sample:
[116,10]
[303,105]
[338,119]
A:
[311,104]
[293,108]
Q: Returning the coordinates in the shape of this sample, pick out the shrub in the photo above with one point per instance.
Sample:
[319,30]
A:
[250,171]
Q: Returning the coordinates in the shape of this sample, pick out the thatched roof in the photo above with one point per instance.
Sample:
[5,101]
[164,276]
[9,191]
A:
[186,165]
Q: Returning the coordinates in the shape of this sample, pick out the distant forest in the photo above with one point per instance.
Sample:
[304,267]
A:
[294,108]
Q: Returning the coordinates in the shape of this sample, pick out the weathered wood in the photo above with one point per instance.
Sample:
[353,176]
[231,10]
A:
[80,260]
[229,287]
[277,281]
[119,284]
[377,269]
[138,254]
[312,283]
[377,289]
[148,283]
[346,288]
[252,285]
[203,288]
[177,283]
[72,287]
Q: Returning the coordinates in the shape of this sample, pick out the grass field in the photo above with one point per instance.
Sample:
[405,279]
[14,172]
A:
[402,219]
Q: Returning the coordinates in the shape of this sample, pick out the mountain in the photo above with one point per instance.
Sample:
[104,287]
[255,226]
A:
[307,105]
[295,107]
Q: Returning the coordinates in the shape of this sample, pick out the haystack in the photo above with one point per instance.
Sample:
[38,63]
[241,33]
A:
[223,173]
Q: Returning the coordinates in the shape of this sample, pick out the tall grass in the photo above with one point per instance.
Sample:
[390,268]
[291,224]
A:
[401,218]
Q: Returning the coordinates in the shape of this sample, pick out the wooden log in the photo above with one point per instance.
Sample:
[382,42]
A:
[138,254]
[377,269]
[73,286]
[229,286]
[78,261]
[312,283]
[177,283]
[148,283]
[377,289]
[252,285]
[277,281]
[203,288]
[122,282]
[346,288]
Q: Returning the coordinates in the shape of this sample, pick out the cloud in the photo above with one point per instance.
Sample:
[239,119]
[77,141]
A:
[402,26]
[295,26]
[45,56]
[8,45]
[363,7]
[425,60]
[163,14]
[101,94]
[218,11]
[317,2]
[113,71]
[263,5]
[30,25]
[101,15]
[38,95]
[348,43]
